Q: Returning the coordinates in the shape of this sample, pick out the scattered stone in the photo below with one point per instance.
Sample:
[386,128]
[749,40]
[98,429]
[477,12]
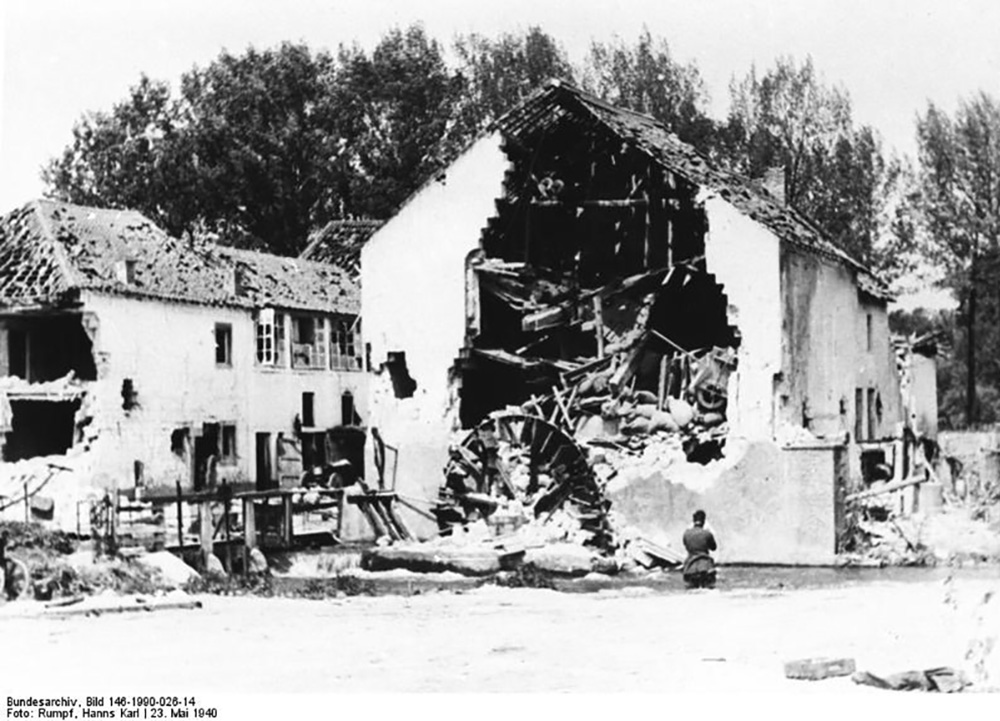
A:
[568,559]
[258,563]
[213,566]
[815,669]
[174,573]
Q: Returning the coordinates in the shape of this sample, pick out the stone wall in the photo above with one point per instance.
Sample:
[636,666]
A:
[765,504]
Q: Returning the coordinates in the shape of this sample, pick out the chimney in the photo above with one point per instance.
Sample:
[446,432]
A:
[774,183]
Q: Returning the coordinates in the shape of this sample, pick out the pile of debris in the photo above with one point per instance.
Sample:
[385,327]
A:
[608,390]
[539,473]
[955,534]
[517,470]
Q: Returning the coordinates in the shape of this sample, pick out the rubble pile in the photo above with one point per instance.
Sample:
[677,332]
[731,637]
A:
[538,475]
[610,381]
[517,470]
[878,536]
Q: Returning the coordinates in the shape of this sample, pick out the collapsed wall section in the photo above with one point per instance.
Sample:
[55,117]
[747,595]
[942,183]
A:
[745,257]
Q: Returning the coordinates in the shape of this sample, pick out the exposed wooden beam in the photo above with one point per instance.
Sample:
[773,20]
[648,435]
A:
[604,203]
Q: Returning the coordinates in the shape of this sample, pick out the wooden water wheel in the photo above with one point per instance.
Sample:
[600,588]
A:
[527,458]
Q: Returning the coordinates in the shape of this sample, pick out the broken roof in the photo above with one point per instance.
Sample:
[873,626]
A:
[50,251]
[558,101]
[339,242]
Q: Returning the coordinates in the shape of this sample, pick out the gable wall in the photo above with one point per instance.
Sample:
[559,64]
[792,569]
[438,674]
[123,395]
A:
[413,291]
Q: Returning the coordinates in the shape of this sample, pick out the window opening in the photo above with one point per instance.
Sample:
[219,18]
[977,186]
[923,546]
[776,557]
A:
[270,338]
[223,344]
[228,448]
[309,344]
[345,346]
[308,405]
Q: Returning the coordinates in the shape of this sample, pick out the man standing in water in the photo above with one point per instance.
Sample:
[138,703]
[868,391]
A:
[699,568]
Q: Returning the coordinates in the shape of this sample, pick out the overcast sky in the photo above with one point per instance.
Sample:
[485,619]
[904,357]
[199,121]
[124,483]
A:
[60,58]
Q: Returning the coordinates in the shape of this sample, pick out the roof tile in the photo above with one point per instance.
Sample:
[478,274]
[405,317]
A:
[50,250]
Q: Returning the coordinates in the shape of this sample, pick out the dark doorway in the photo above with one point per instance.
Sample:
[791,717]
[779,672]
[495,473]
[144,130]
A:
[308,410]
[348,416]
[265,471]
[206,449]
[40,428]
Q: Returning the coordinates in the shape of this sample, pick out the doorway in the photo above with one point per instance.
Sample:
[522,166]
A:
[265,470]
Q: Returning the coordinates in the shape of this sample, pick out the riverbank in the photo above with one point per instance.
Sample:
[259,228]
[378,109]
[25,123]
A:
[493,639]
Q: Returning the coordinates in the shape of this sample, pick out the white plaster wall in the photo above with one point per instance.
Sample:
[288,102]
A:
[745,258]
[168,350]
[413,301]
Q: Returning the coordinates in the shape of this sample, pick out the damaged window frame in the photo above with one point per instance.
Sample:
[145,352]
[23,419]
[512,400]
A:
[269,333]
[346,352]
[311,353]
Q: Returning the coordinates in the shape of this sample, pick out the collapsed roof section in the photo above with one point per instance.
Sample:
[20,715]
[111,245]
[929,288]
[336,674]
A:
[339,243]
[594,262]
[51,251]
[560,106]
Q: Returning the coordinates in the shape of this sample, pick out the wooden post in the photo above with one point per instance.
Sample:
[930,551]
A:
[599,325]
[27,504]
[205,529]
[286,519]
[180,518]
[226,508]
[670,242]
[662,391]
[646,250]
[340,514]
[249,531]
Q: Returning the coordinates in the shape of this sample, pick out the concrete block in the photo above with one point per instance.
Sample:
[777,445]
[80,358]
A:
[815,669]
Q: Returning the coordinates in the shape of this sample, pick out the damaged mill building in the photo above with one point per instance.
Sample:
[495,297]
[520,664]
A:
[579,282]
[580,324]
[137,364]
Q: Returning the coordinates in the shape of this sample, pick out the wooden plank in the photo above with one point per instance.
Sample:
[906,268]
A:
[561,406]
[287,532]
[205,528]
[595,203]
[599,326]
[550,317]
[661,395]
[180,517]
[887,488]
[249,524]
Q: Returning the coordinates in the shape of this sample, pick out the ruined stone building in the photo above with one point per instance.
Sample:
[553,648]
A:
[575,236]
[135,359]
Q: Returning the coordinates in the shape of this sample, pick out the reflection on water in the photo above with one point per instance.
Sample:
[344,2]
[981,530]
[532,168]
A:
[731,578]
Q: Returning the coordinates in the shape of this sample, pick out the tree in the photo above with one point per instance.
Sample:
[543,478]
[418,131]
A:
[647,79]
[786,118]
[855,162]
[244,152]
[399,107]
[960,206]
[120,159]
[835,172]
[260,130]
[500,73]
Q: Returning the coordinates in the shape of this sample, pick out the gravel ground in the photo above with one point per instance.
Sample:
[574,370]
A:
[499,640]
